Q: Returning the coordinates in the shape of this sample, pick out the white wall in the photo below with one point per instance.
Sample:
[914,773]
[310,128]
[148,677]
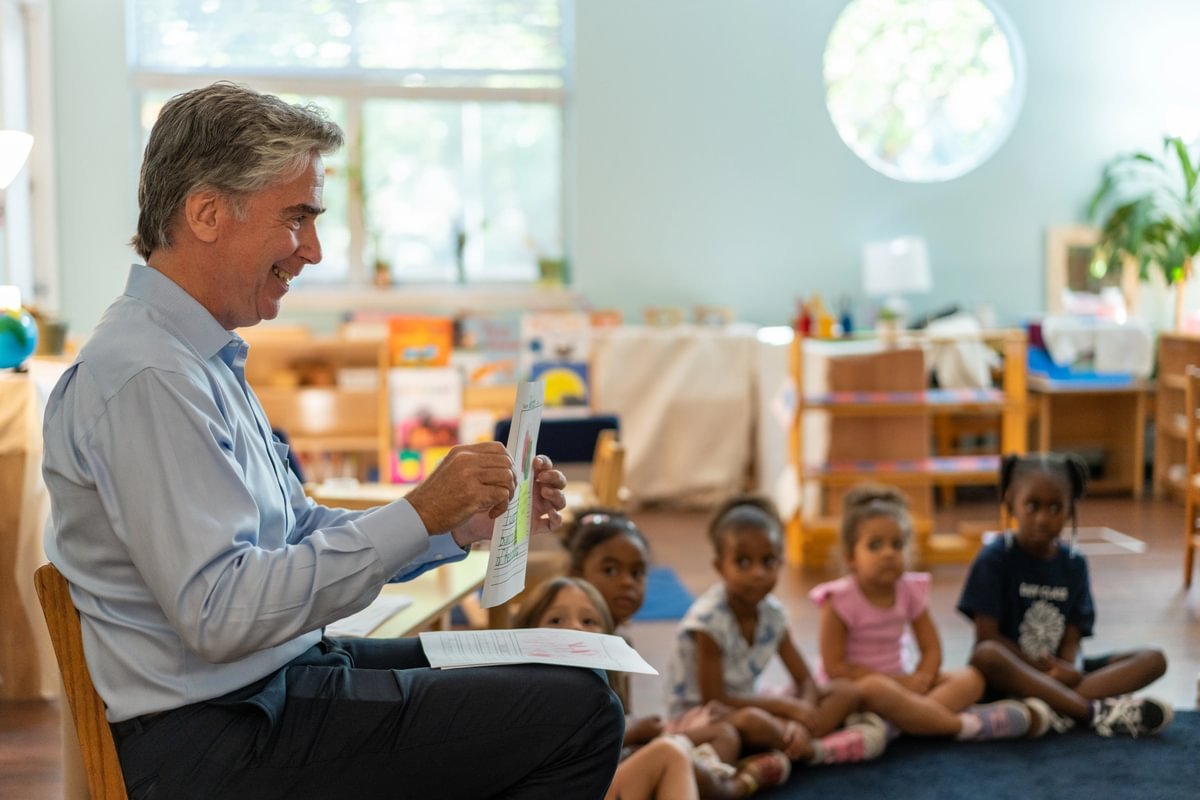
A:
[706,168]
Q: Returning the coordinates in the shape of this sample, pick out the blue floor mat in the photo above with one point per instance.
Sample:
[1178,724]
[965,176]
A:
[666,597]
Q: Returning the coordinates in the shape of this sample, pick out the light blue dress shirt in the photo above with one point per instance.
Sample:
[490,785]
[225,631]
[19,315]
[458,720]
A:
[196,561]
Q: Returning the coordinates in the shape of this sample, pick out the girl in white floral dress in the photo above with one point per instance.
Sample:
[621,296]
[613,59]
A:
[735,628]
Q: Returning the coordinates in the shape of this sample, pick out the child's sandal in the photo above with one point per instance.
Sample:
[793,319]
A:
[764,770]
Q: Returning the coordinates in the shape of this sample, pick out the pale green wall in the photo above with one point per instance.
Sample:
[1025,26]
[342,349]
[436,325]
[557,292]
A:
[706,168]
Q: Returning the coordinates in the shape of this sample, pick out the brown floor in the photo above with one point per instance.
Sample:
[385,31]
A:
[1139,597]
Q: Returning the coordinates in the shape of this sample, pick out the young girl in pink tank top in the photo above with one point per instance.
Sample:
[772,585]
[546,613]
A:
[869,616]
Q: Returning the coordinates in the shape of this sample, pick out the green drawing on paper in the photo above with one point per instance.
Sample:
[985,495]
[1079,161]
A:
[524,498]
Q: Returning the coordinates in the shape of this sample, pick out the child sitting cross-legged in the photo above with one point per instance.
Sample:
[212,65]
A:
[607,549]
[735,628]
[866,619]
[1029,596]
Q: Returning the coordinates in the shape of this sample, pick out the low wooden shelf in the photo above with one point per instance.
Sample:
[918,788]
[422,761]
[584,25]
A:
[879,415]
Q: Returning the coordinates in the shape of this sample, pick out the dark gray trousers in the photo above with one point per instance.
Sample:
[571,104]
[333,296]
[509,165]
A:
[368,718]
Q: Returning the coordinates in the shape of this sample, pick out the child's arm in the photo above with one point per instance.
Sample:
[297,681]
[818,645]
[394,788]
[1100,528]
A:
[929,644]
[833,647]
[639,730]
[987,629]
[1062,667]
[806,687]
[712,683]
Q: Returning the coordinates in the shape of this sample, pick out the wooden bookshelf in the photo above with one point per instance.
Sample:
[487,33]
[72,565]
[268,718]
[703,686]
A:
[878,415]
[1175,352]
[327,394]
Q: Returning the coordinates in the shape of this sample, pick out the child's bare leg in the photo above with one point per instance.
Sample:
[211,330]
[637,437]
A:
[1007,673]
[1124,673]
[958,688]
[721,736]
[839,699]
[910,712]
[660,769]
[758,729]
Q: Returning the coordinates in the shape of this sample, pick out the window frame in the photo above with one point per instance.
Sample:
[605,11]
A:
[354,86]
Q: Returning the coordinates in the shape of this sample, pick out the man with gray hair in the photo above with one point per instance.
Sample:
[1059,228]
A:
[202,573]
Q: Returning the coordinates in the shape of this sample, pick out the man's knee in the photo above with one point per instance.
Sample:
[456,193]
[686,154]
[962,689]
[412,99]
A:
[581,693]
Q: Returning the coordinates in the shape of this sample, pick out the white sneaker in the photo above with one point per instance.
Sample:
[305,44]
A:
[1044,718]
[1131,716]
[1041,716]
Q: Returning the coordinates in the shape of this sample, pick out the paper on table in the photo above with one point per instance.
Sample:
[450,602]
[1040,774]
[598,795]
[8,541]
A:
[448,649]
[361,623]
[510,536]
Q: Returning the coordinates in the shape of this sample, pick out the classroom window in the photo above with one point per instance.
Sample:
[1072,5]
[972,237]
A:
[453,111]
[923,90]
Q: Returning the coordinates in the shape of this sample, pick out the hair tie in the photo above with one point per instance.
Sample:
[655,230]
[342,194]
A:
[595,519]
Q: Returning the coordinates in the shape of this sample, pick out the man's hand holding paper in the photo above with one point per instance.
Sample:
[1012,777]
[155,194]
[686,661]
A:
[473,486]
[473,481]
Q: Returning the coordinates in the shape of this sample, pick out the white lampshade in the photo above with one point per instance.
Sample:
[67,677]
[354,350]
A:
[14,149]
[10,297]
[896,266]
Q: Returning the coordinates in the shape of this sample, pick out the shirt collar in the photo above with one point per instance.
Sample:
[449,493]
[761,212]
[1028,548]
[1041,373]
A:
[193,321]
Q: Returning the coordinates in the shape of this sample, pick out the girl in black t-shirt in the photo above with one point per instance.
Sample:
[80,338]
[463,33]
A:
[1029,597]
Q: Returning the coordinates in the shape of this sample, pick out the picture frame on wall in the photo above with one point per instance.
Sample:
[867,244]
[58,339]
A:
[1070,250]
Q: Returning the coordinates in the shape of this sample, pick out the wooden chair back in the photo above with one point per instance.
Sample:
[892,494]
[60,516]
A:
[608,469]
[1191,407]
[104,777]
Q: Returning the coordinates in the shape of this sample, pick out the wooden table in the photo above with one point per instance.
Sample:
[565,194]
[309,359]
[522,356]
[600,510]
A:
[356,496]
[435,593]
[1074,415]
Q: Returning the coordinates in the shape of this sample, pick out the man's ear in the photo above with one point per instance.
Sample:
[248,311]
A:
[203,212]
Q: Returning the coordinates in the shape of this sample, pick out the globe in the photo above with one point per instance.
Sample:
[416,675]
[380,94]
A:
[18,337]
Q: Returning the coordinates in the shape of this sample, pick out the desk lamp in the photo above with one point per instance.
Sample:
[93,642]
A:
[894,268]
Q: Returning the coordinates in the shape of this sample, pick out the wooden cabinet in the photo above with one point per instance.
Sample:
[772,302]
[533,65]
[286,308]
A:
[328,395]
[863,413]
[1175,352]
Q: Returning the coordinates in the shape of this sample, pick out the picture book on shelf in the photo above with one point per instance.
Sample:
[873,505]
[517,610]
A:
[425,412]
[554,337]
[418,341]
[567,384]
[487,349]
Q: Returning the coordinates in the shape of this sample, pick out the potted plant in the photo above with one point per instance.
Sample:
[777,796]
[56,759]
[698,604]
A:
[1149,215]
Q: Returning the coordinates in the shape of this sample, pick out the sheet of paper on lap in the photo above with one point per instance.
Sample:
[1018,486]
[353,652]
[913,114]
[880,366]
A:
[456,649]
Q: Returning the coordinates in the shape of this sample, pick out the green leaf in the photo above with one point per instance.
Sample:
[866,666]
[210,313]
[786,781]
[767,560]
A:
[1185,161]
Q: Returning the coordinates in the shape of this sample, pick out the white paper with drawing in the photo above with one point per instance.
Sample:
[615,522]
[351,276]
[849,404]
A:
[510,537]
[571,648]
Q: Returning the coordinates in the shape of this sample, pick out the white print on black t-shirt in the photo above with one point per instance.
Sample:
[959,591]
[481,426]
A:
[1037,591]
[1041,628]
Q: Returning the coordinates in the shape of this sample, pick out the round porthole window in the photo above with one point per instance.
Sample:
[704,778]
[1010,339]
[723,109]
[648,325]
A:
[923,90]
